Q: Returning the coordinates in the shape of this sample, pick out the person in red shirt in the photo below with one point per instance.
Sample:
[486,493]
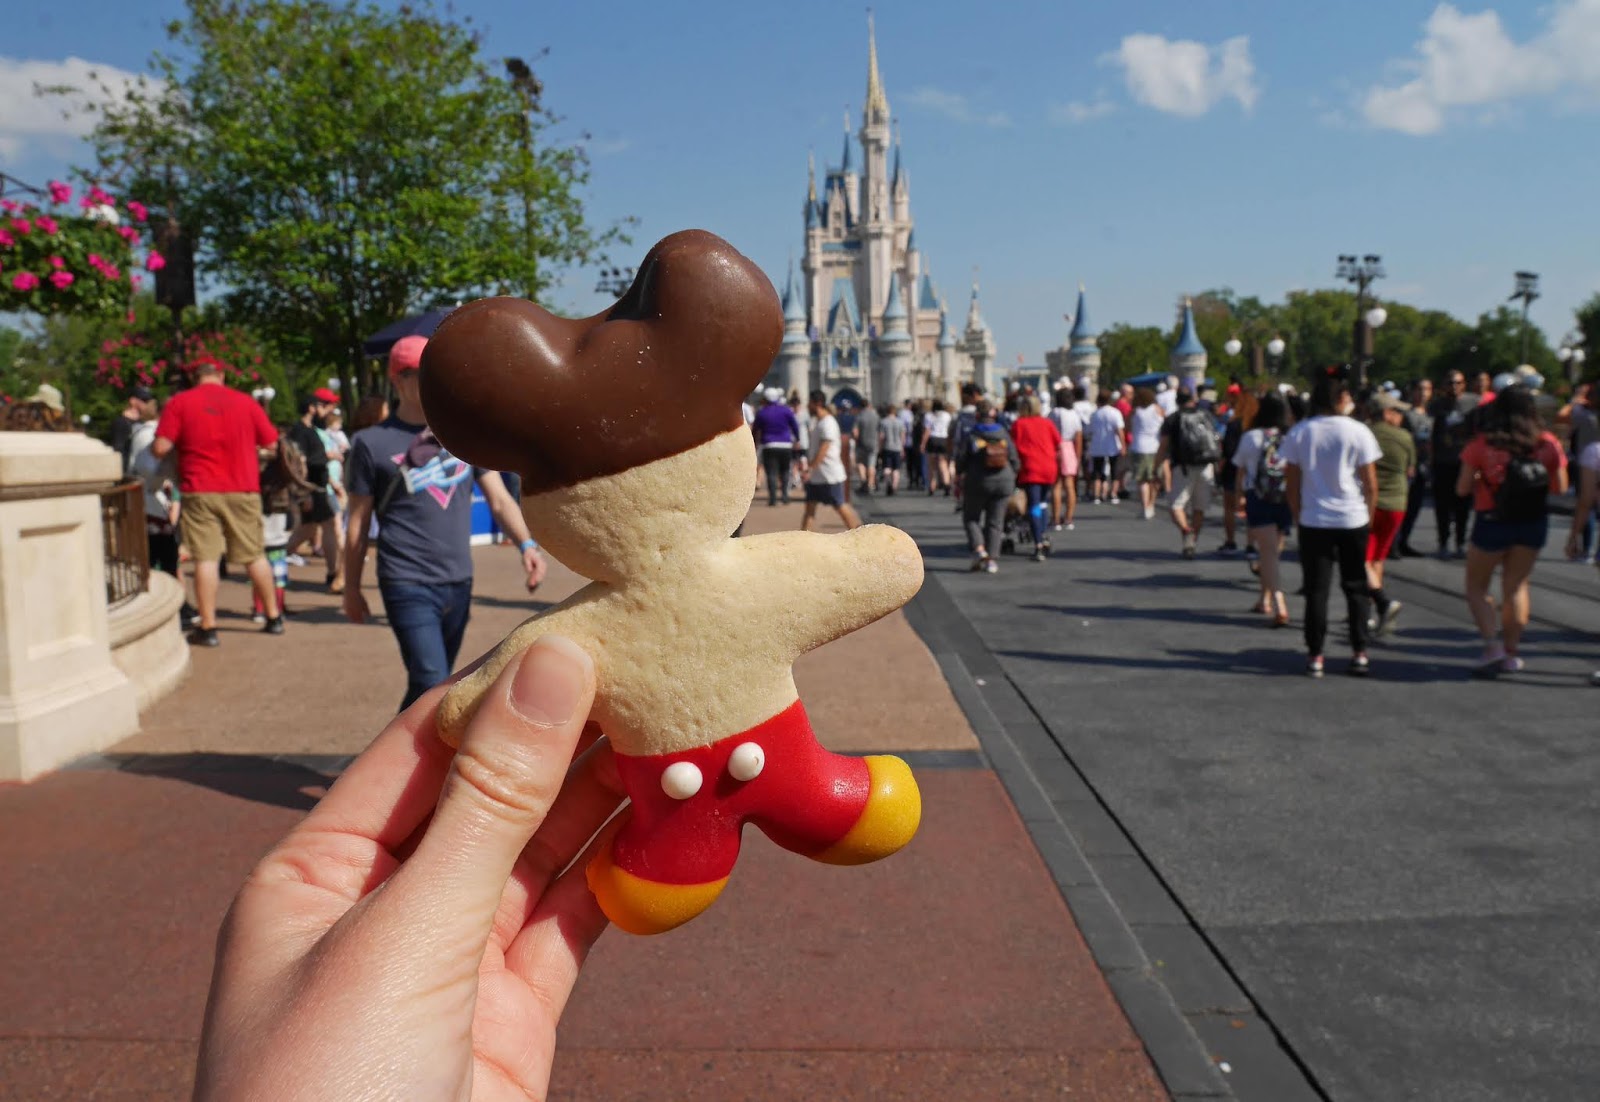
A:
[1039,448]
[1500,469]
[217,433]
[1122,465]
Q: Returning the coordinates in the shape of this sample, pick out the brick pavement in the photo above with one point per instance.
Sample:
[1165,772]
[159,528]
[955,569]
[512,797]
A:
[950,970]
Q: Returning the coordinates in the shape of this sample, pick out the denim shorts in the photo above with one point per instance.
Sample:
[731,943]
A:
[825,493]
[1265,514]
[1495,536]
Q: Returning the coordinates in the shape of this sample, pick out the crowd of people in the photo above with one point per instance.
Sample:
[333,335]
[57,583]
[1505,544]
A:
[1343,473]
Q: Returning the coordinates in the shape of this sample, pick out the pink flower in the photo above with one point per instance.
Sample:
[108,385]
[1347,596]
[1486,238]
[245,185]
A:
[95,261]
[155,262]
[57,262]
[61,280]
[24,281]
[137,281]
[22,226]
[138,210]
[47,224]
[59,192]
[129,234]
[111,272]
[6,239]
[8,206]
[99,198]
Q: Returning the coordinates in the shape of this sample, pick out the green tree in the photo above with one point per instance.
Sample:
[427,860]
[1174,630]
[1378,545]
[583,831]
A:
[1127,350]
[1588,318]
[1495,345]
[340,165]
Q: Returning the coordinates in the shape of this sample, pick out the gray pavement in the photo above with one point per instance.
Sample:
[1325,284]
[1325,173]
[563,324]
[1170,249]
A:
[1401,873]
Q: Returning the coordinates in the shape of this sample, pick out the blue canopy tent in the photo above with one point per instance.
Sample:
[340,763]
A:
[1152,378]
[417,325]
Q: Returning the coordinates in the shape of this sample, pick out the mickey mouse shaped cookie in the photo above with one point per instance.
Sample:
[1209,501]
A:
[637,467]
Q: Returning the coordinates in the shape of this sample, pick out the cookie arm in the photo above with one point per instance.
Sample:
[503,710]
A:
[461,703]
[842,581]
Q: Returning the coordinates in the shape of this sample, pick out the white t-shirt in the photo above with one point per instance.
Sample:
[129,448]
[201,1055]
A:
[1105,432]
[1147,430]
[1329,451]
[831,469]
[1168,401]
[1248,457]
[1084,409]
[1066,421]
[937,423]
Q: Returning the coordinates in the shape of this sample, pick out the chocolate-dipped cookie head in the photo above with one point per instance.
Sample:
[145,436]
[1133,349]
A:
[510,386]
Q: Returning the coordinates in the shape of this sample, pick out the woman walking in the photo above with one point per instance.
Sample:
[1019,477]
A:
[1268,519]
[1588,461]
[1039,444]
[1070,426]
[1105,445]
[1144,441]
[1332,481]
[936,446]
[1510,468]
[988,465]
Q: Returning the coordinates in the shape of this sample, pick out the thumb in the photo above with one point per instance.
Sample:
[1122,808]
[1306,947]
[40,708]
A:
[505,776]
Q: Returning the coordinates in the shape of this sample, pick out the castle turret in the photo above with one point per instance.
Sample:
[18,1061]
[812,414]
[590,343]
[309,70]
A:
[1083,351]
[894,349]
[979,345]
[949,378]
[1189,355]
[877,211]
[794,353]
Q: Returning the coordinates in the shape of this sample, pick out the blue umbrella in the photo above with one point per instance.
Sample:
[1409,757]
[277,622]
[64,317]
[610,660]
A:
[417,325]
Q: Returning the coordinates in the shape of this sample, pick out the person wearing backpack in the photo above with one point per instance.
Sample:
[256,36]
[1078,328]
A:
[1268,520]
[1332,484]
[1386,416]
[988,464]
[1187,459]
[1510,469]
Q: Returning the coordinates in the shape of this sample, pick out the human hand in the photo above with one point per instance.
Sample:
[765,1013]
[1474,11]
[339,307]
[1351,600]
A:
[416,936]
[533,563]
[355,605]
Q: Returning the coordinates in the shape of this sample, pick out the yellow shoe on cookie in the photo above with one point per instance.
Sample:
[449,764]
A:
[642,906]
[891,817]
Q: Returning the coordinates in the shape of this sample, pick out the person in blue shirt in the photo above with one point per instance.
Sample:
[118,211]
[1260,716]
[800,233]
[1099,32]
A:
[422,498]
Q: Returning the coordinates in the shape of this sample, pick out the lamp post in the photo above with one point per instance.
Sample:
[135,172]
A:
[1362,271]
[613,281]
[1571,354]
[1275,349]
[1527,290]
[530,89]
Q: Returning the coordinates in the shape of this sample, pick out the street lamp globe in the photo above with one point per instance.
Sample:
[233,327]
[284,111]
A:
[1275,346]
[1377,316]
[333,384]
[1233,347]
[1579,355]
[268,393]
[1563,353]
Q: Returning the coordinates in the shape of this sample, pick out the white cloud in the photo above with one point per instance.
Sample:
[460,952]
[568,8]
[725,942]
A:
[1184,77]
[1071,114]
[26,118]
[953,105]
[1468,61]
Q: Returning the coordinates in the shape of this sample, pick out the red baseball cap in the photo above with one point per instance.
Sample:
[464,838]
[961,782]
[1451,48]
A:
[323,394]
[406,355]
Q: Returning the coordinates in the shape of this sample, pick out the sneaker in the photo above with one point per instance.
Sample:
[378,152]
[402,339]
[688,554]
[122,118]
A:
[1070,527]
[1229,548]
[1513,664]
[1188,552]
[1044,548]
[274,626]
[1150,512]
[1057,527]
[1372,626]
[977,562]
[1359,666]
[1594,679]
[1491,665]
[1314,666]
[1387,618]
[991,567]
[204,637]
[1038,554]
[258,617]
[188,615]
[294,560]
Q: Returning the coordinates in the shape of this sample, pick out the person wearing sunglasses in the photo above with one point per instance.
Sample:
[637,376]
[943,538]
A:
[421,496]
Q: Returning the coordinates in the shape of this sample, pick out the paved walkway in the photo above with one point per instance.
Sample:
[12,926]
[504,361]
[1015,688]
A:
[952,970]
[1394,883]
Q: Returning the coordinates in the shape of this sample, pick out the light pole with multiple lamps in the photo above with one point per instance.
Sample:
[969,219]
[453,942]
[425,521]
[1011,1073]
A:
[614,281]
[1273,348]
[1572,355]
[1527,290]
[1362,271]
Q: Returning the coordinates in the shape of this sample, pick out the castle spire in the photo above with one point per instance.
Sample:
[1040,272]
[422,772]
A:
[811,176]
[877,106]
[1081,329]
[844,163]
[974,318]
[1189,340]
[794,313]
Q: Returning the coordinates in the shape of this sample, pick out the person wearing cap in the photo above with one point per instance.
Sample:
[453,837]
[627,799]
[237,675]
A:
[218,434]
[422,498]
[777,431]
[141,407]
[1386,415]
[317,512]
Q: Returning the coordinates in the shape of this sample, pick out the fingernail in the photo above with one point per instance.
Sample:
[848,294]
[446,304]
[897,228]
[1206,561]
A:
[549,680]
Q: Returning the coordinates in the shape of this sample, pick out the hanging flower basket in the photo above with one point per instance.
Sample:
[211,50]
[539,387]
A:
[65,257]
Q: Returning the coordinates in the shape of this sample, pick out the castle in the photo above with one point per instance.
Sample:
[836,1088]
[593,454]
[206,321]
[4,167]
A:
[865,321]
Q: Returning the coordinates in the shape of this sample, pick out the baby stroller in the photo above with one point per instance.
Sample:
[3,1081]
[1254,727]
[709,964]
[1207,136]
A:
[1016,537]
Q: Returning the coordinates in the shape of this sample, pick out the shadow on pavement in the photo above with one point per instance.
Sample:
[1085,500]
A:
[1116,612]
[274,781]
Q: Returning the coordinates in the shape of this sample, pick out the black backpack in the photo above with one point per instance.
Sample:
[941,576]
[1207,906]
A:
[1523,492]
[1197,442]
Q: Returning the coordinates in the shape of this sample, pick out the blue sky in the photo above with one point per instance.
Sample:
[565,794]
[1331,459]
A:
[1146,148]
